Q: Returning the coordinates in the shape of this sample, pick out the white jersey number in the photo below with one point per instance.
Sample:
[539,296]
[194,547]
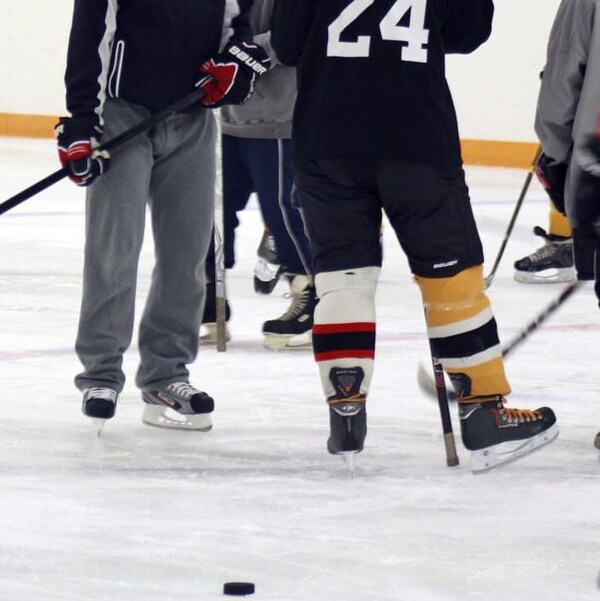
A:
[415,34]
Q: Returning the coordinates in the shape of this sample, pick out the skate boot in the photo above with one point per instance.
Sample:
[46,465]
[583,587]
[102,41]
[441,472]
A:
[552,263]
[293,330]
[268,269]
[597,441]
[347,412]
[100,404]
[178,406]
[496,434]
[209,317]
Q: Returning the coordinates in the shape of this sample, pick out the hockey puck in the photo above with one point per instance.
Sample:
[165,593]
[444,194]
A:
[238,589]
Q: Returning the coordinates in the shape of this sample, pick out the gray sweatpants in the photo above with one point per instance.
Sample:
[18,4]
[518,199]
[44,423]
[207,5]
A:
[171,168]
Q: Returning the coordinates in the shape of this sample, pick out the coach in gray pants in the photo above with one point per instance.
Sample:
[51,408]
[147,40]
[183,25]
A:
[122,69]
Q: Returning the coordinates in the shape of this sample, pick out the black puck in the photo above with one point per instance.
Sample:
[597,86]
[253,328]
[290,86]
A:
[238,589]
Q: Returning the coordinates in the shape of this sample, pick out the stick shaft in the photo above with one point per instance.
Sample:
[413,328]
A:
[442,397]
[513,219]
[178,106]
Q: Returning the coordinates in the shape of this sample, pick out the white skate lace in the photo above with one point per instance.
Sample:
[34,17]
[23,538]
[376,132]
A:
[99,392]
[545,252]
[298,306]
[182,389]
[549,249]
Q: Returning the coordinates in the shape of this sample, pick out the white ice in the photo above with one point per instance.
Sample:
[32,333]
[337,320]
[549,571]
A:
[149,515]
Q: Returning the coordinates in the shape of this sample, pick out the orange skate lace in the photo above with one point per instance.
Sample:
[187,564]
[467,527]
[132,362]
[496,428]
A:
[520,415]
[355,398]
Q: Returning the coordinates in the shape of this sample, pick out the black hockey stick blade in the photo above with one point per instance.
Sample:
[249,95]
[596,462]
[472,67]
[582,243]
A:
[427,384]
[118,141]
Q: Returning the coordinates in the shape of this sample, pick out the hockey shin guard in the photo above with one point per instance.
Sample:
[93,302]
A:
[344,323]
[463,333]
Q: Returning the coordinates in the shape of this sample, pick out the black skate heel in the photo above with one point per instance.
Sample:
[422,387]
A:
[348,426]
[99,404]
[347,411]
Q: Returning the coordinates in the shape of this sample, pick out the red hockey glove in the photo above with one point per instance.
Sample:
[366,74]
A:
[553,177]
[229,77]
[76,138]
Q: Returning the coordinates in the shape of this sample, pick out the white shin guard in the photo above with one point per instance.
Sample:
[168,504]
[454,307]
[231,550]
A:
[346,297]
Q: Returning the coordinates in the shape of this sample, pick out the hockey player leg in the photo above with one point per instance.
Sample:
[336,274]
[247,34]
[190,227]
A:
[463,334]
[344,348]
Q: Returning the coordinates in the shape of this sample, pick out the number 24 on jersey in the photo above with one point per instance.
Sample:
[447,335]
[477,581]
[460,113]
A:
[414,34]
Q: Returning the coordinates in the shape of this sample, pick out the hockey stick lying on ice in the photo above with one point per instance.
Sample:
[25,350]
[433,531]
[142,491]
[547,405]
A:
[178,106]
[488,279]
[428,386]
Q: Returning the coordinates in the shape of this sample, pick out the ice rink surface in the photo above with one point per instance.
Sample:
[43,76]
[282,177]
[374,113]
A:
[141,514]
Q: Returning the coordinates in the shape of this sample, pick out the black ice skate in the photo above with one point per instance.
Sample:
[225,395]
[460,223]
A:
[597,441]
[293,330]
[178,406]
[496,434]
[209,317]
[100,404]
[268,269]
[552,263]
[347,412]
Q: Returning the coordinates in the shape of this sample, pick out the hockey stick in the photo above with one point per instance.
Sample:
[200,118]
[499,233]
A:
[176,107]
[442,397]
[218,229]
[488,279]
[429,387]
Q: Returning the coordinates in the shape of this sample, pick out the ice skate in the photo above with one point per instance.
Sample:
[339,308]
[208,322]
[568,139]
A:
[267,270]
[178,406]
[347,414]
[208,332]
[496,434]
[293,329]
[99,403]
[597,441]
[550,264]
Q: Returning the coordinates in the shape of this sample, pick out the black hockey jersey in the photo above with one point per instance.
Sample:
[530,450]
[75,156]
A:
[371,74]
[145,51]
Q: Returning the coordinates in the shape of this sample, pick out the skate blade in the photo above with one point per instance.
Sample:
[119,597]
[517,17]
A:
[286,342]
[158,416]
[210,333]
[484,460]
[349,461]
[546,276]
[98,424]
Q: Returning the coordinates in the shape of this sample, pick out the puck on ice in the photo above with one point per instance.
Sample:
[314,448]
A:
[238,588]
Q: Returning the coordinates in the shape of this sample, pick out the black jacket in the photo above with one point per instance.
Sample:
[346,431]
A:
[364,89]
[145,51]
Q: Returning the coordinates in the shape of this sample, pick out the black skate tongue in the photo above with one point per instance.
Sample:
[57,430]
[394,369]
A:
[346,380]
